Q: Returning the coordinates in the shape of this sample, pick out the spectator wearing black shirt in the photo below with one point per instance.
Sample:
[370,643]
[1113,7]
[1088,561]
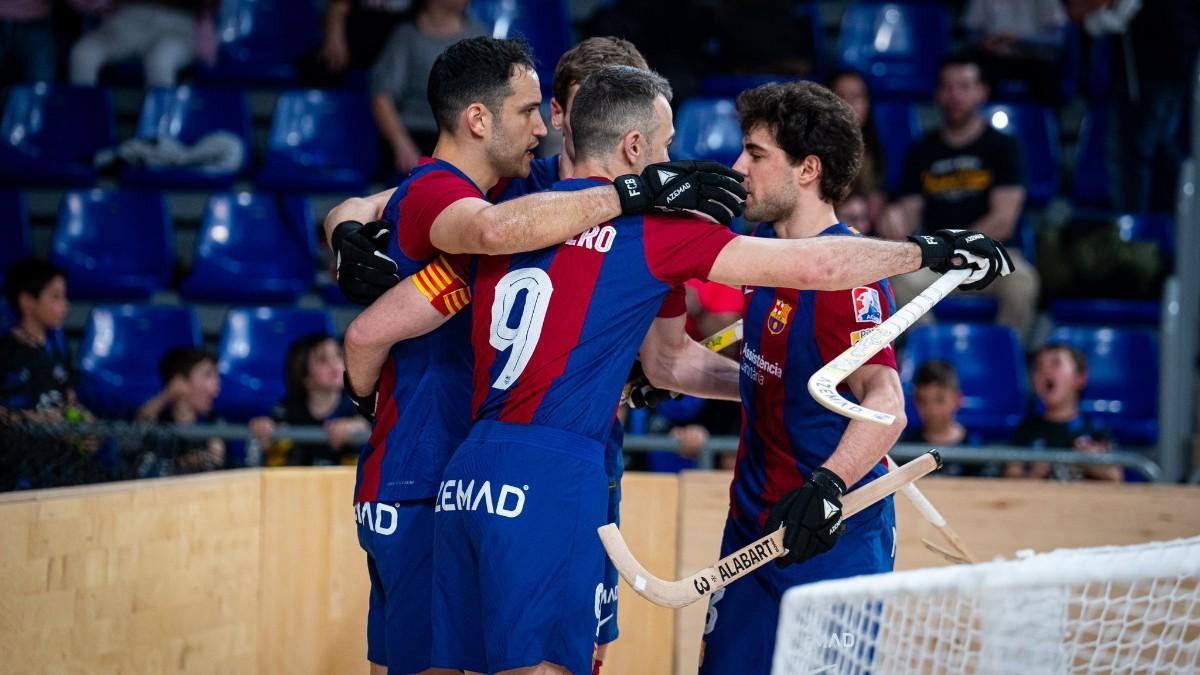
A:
[965,175]
[36,376]
[190,385]
[1059,376]
[315,397]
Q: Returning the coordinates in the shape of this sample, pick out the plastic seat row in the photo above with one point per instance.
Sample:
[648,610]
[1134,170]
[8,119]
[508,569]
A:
[123,345]
[1121,392]
[120,244]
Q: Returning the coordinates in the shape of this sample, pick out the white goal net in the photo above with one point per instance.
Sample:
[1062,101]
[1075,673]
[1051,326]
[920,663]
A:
[1119,609]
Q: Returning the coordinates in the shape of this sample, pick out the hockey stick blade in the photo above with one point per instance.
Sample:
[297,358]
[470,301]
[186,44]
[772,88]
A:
[741,563]
[823,385]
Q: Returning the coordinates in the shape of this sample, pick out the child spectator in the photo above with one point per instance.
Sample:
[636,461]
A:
[938,399]
[315,397]
[190,385]
[1059,376]
[35,365]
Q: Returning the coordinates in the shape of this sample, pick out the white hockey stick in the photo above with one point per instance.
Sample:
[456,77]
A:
[740,563]
[824,383]
[724,337]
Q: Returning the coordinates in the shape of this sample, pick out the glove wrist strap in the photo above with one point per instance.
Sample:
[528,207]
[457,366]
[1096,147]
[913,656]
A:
[827,480]
[633,194]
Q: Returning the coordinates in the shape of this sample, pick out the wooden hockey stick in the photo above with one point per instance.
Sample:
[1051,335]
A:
[823,385]
[736,565]
[934,517]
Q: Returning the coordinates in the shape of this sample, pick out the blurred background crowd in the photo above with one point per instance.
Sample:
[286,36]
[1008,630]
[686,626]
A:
[164,165]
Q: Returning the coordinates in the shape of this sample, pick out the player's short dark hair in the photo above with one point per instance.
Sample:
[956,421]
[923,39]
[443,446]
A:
[474,70]
[611,102]
[182,361]
[32,276]
[941,373]
[808,119]
[1080,359]
[296,363]
[591,55]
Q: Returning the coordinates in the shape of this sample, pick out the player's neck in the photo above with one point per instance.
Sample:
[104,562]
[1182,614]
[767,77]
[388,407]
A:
[586,168]
[472,162]
[808,219]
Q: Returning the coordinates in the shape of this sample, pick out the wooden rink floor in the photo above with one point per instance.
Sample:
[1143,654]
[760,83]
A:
[259,571]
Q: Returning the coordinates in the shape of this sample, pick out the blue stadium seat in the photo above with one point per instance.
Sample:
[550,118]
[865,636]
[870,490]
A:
[249,252]
[320,140]
[7,320]
[1089,182]
[50,133]
[122,347]
[114,244]
[14,230]
[187,114]
[1157,228]
[967,308]
[1036,128]
[707,128]
[545,25]
[258,41]
[1106,312]
[991,372]
[899,125]
[1122,388]
[250,356]
[897,46]
[729,85]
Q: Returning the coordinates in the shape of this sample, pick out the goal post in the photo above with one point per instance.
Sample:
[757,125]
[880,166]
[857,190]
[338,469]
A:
[1129,609]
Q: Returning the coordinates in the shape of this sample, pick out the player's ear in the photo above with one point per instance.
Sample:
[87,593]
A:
[633,148]
[809,170]
[477,118]
[558,116]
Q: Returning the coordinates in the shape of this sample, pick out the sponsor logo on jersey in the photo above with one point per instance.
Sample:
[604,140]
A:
[377,517]
[857,335]
[460,495]
[596,238]
[754,365]
[866,305]
[778,319]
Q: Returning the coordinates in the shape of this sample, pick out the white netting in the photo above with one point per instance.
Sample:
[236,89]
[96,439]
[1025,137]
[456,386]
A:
[1131,609]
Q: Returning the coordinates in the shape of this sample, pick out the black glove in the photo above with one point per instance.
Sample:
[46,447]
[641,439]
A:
[812,515]
[642,394]
[364,404]
[705,186]
[947,250]
[363,271]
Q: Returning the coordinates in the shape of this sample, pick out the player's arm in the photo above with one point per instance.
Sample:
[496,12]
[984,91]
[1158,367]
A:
[360,209]
[545,219]
[415,306]
[674,361]
[817,263]
[1004,208]
[864,443]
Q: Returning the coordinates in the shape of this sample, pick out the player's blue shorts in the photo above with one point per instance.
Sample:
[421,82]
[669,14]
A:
[518,557]
[739,633]
[606,593]
[398,539]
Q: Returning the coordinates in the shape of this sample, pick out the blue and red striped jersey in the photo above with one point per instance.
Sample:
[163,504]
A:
[423,411]
[556,331]
[788,336]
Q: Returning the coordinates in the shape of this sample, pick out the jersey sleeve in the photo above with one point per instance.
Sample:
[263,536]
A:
[675,304]
[427,197]
[679,247]
[842,318]
[443,284]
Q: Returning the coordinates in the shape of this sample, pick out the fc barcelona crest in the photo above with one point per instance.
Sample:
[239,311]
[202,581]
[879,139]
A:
[778,319]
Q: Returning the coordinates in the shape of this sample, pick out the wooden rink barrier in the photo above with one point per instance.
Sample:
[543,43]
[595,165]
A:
[259,571]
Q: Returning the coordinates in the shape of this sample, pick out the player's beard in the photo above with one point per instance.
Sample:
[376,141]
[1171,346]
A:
[505,156]
[770,208]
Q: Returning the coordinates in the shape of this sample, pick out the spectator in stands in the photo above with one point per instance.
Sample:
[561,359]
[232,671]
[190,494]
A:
[938,398]
[764,36]
[398,79]
[1059,376]
[28,46]
[355,33]
[36,376]
[852,88]
[965,175]
[315,397]
[167,35]
[1019,41]
[190,385]
[855,211]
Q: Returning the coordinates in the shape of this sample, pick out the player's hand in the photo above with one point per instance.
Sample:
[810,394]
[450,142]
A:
[947,250]
[365,405]
[705,186]
[642,394]
[812,516]
[363,271]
